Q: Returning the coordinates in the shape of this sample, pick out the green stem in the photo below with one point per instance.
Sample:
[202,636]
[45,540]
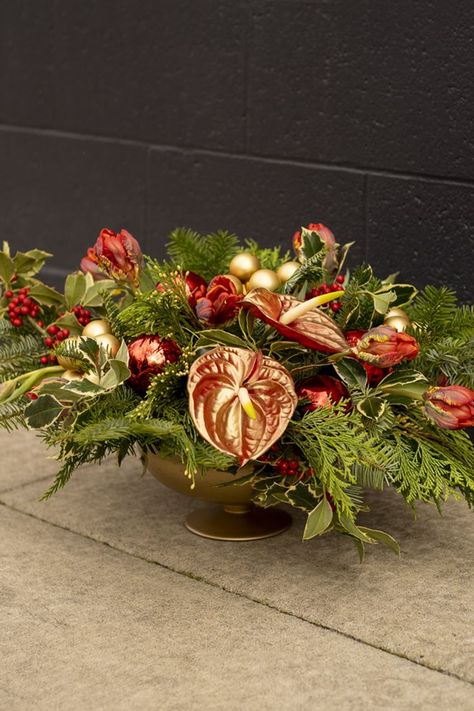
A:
[29,380]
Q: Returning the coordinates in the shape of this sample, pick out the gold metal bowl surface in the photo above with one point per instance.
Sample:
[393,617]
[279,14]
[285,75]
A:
[237,519]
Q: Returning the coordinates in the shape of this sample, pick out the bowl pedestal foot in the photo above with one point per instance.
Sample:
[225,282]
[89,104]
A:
[237,522]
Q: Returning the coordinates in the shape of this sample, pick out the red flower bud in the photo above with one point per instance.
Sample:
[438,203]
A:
[117,255]
[451,406]
[220,303]
[385,346]
[321,390]
[148,357]
[374,373]
[194,284]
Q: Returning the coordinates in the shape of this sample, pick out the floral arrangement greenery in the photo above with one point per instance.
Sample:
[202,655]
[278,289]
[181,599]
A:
[327,381]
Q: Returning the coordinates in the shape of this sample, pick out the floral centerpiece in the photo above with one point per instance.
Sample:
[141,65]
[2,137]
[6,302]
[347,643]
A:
[298,379]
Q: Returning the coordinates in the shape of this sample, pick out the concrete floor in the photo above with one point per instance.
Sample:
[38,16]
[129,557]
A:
[107,602]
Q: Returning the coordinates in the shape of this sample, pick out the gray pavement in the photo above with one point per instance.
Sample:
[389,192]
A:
[107,602]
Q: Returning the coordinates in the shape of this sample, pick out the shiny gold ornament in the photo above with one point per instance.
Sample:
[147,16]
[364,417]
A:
[70,363]
[236,282]
[287,270]
[72,375]
[398,319]
[244,265]
[264,279]
[99,327]
[109,343]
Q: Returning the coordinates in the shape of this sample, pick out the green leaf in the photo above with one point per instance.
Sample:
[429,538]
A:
[352,373]
[217,336]
[383,300]
[319,519]
[43,411]
[405,293]
[92,296]
[74,289]
[404,383]
[7,268]
[69,320]
[30,263]
[354,530]
[383,537]
[117,374]
[360,548]
[372,407]
[312,243]
[46,295]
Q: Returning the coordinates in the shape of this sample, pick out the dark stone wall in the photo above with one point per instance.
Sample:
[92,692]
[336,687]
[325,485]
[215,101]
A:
[256,116]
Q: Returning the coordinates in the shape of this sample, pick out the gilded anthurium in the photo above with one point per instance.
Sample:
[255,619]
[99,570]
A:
[300,321]
[385,347]
[220,303]
[240,401]
[450,407]
[118,255]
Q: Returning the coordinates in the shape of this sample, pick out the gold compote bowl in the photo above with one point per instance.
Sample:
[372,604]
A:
[235,519]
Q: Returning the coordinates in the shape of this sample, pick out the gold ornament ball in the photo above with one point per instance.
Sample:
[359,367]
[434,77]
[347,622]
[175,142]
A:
[109,343]
[397,318]
[244,265]
[264,278]
[72,375]
[99,327]
[236,282]
[287,270]
[69,363]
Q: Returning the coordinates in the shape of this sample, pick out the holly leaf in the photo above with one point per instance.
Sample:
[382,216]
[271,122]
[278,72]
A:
[93,293]
[383,537]
[312,243]
[74,289]
[43,411]
[354,530]
[46,295]
[30,263]
[352,373]
[372,407]
[7,268]
[319,520]
[383,300]
[213,337]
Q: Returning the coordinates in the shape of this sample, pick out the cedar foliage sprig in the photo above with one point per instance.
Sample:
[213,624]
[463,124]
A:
[333,441]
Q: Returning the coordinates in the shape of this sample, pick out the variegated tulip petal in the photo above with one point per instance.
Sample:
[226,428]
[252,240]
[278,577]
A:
[314,329]
[213,385]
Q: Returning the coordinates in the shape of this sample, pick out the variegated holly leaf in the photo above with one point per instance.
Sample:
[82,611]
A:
[315,329]
[240,401]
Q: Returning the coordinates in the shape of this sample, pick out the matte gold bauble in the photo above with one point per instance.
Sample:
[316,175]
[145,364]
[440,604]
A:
[96,328]
[69,363]
[264,278]
[244,265]
[109,343]
[398,319]
[236,282]
[287,270]
[72,375]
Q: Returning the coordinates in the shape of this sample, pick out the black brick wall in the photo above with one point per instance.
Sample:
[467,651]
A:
[255,115]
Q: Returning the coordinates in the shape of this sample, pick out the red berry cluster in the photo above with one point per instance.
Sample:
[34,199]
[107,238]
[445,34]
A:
[54,337]
[335,306]
[83,315]
[21,306]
